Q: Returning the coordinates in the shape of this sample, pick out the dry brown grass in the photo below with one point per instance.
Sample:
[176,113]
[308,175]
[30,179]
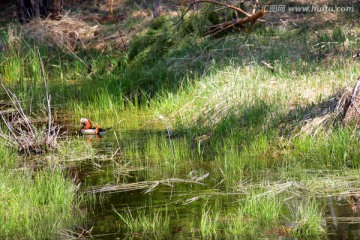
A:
[68,34]
[75,32]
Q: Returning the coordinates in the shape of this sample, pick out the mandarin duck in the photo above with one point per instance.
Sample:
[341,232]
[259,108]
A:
[87,128]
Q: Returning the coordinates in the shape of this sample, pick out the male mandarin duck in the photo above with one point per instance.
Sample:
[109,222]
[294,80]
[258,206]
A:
[87,128]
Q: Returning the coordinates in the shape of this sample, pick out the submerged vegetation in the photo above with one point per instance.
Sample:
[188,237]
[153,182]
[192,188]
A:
[151,222]
[223,145]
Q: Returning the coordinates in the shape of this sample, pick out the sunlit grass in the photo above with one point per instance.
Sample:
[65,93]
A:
[37,203]
[200,102]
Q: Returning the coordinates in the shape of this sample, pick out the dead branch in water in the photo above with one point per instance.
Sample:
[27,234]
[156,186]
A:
[21,132]
[148,185]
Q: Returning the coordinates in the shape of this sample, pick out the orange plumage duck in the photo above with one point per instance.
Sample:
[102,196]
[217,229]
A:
[87,128]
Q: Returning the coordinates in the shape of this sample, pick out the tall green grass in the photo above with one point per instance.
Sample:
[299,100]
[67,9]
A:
[223,107]
[308,221]
[154,223]
[36,203]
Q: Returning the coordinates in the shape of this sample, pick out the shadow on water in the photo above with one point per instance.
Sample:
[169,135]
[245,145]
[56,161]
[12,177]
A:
[343,219]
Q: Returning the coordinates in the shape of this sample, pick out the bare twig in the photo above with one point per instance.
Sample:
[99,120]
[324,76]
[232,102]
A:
[149,185]
[22,133]
[237,22]
[350,100]
[48,97]
[268,66]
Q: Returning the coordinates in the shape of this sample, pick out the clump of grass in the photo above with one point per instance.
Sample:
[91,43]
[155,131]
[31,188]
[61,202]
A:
[308,220]
[209,223]
[36,204]
[166,154]
[150,222]
[73,150]
[255,214]
[251,217]
[265,209]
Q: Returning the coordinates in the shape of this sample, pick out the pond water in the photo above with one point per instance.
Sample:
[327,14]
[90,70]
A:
[123,173]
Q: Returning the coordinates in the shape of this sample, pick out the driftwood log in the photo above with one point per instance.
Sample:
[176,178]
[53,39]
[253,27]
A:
[238,23]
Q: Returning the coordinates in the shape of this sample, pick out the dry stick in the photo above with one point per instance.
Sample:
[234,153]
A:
[111,3]
[150,185]
[10,129]
[5,120]
[255,5]
[48,97]
[16,104]
[351,98]
[119,148]
[118,30]
[353,95]
[217,29]
[238,22]
[268,66]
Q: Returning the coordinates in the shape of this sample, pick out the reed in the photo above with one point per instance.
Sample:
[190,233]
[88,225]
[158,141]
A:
[154,223]
[38,203]
[308,220]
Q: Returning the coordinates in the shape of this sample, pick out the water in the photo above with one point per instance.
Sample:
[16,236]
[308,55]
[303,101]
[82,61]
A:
[183,200]
[343,219]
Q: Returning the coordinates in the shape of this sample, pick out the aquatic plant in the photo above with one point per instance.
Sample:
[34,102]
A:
[37,203]
[307,220]
[153,222]
[210,222]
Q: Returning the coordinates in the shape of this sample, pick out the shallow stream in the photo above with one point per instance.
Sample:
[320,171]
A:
[131,174]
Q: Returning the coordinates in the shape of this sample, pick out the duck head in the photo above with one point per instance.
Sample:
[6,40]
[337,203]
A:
[86,123]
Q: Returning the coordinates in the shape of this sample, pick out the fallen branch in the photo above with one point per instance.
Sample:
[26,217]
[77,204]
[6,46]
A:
[351,99]
[238,22]
[268,66]
[149,185]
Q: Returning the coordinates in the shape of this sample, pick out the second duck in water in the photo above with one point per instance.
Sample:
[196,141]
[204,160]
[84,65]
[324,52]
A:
[87,128]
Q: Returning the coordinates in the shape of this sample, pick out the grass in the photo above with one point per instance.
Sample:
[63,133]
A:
[308,220]
[209,223]
[254,215]
[153,223]
[256,132]
[37,203]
